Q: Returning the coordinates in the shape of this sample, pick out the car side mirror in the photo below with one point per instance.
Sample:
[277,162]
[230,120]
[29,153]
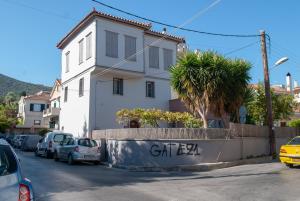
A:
[61,143]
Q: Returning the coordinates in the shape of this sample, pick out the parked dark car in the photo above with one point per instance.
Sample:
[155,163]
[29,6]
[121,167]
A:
[17,141]
[9,138]
[30,142]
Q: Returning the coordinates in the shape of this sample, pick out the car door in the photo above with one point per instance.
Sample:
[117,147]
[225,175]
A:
[61,148]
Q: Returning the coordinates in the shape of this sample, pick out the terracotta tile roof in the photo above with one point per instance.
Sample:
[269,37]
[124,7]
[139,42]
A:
[165,35]
[92,15]
[42,95]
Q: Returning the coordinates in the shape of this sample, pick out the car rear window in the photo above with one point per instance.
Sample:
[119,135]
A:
[8,162]
[295,141]
[87,143]
[58,138]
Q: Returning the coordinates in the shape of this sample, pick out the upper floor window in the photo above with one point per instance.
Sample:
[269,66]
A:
[111,44]
[81,87]
[130,48]
[168,58]
[67,62]
[118,86]
[35,107]
[80,51]
[66,94]
[153,57]
[150,89]
[88,41]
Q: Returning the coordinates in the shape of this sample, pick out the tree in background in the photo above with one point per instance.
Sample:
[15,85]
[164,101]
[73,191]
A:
[208,82]
[282,106]
[11,97]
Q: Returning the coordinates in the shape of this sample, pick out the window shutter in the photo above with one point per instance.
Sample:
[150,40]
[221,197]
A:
[89,46]
[42,107]
[111,44]
[121,86]
[153,57]
[130,48]
[67,62]
[66,94]
[168,58]
[80,51]
[31,107]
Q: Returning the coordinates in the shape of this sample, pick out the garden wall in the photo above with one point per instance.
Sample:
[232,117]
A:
[168,147]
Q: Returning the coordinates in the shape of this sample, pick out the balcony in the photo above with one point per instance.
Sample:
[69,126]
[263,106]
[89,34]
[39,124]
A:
[51,112]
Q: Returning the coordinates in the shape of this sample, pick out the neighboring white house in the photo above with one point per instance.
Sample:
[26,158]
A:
[31,110]
[51,114]
[110,63]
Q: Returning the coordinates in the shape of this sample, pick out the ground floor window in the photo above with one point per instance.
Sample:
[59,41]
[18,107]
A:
[150,89]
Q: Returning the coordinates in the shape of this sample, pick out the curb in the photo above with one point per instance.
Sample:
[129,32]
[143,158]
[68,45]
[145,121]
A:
[195,168]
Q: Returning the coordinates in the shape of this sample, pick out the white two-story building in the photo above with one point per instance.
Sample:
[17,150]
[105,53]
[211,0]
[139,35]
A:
[110,63]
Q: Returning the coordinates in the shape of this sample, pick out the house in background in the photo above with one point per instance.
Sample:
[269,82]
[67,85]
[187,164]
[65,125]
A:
[110,63]
[30,110]
[51,113]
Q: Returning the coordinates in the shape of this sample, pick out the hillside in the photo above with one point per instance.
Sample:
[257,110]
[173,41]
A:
[10,84]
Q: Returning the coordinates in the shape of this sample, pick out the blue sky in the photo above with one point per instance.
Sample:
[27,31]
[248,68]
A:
[31,29]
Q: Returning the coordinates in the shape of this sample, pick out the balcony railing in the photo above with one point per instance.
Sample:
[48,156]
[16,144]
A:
[50,112]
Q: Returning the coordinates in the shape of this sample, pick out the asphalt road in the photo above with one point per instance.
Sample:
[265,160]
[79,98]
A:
[84,182]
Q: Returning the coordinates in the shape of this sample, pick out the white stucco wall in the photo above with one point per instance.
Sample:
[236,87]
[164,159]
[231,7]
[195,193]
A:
[73,47]
[74,114]
[122,30]
[105,104]
[158,42]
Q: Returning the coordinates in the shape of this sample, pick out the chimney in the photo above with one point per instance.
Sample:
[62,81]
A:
[295,83]
[288,82]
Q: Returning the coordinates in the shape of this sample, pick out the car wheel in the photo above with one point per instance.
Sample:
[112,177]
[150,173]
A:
[289,165]
[55,156]
[36,153]
[48,154]
[70,159]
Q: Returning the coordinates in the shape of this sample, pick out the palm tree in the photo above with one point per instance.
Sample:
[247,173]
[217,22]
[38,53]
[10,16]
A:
[210,83]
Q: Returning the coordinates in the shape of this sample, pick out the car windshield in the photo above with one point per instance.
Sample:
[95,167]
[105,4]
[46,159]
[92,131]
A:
[8,163]
[295,141]
[87,142]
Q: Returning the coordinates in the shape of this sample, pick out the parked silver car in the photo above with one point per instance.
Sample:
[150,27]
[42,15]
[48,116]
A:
[78,150]
[47,145]
[13,186]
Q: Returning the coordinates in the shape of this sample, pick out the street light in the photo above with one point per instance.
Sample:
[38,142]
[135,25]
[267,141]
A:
[279,62]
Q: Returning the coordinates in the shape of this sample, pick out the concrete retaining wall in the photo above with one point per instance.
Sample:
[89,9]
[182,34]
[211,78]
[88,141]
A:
[168,147]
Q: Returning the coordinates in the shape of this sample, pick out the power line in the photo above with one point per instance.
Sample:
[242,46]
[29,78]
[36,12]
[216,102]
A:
[241,48]
[174,26]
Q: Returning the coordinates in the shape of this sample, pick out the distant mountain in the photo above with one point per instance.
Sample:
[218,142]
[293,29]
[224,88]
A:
[8,84]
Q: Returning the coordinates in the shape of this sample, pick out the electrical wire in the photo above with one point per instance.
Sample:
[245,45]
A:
[174,26]
[241,48]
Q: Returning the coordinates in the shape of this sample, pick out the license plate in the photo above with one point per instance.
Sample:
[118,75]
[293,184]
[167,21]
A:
[296,159]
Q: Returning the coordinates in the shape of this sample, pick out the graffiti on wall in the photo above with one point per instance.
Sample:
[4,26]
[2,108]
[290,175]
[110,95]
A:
[174,149]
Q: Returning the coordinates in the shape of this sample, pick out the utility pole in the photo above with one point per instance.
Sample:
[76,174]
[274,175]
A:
[268,93]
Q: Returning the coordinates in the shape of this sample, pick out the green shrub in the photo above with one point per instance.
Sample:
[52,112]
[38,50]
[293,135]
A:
[295,123]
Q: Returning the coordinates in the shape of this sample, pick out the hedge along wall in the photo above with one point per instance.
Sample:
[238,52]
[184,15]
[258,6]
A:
[168,147]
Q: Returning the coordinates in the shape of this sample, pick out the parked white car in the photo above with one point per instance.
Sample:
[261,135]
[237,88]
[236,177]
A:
[47,145]
[78,150]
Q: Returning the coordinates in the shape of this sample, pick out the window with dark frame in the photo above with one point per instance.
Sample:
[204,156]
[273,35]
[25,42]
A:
[66,94]
[81,87]
[118,86]
[150,89]
[37,107]
[37,122]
